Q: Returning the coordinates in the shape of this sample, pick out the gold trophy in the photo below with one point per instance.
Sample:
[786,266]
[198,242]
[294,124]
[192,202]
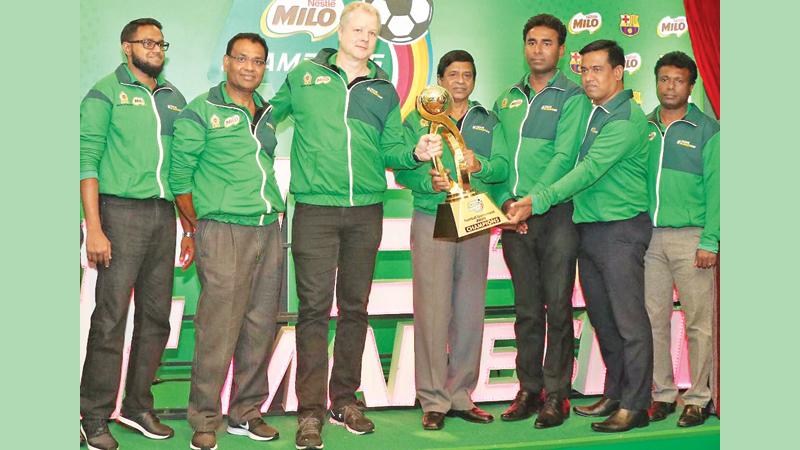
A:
[465,211]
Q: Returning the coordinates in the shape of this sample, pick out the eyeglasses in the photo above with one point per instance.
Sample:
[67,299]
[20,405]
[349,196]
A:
[241,59]
[150,44]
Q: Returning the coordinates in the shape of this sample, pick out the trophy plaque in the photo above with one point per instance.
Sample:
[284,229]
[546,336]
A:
[465,211]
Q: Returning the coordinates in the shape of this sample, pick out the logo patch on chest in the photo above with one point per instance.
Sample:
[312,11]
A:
[504,103]
[481,128]
[593,130]
[685,143]
[515,103]
[374,92]
[307,79]
[173,108]
[215,121]
[138,101]
[322,79]
[651,136]
[549,108]
[123,98]
[231,121]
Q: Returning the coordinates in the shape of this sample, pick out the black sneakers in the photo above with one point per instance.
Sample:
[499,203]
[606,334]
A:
[352,418]
[203,440]
[309,434]
[256,429]
[148,424]
[97,436]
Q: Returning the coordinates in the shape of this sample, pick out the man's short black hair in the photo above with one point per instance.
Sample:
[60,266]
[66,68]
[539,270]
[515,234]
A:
[455,56]
[616,56]
[252,37]
[680,60]
[549,21]
[130,29]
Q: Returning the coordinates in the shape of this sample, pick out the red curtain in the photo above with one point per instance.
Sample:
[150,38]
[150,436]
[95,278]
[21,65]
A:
[703,19]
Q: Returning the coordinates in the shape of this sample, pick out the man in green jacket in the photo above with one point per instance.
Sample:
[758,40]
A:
[609,189]
[223,178]
[126,129]
[347,130]
[684,207]
[542,117]
[449,281]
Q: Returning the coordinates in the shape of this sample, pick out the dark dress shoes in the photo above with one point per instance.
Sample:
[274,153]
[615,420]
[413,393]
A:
[433,420]
[553,413]
[475,415]
[602,408]
[525,405]
[660,410]
[692,416]
[623,420]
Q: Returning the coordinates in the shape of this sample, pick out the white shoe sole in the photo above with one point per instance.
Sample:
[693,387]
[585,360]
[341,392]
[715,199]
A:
[342,424]
[86,440]
[242,432]
[191,446]
[131,424]
[309,447]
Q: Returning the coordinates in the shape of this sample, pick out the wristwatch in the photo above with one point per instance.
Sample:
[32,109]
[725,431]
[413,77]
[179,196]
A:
[188,234]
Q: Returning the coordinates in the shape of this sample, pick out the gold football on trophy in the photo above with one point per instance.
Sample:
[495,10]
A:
[435,99]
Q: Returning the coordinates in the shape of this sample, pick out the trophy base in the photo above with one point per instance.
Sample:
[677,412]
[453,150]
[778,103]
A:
[465,214]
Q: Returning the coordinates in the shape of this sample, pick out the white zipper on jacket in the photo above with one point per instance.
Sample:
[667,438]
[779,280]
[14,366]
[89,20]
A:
[252,130]
[348,89]
[521,126]
[158,133]
[661,163]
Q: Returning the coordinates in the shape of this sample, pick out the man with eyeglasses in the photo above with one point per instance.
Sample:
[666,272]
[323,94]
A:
[684,207]
[126,131]
[347,129]
[223,179]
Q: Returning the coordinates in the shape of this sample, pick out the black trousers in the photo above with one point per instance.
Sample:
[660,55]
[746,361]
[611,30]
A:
[611,264]
[142,235]
[332,246]
[542,265]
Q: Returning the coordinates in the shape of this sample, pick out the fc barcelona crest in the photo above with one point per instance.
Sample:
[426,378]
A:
[575,62]
[629,24]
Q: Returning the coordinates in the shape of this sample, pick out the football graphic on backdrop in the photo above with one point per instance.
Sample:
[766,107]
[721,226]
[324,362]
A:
[403,21]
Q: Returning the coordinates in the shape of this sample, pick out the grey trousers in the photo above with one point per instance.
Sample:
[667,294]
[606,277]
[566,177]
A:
[142,235]
[239,269]
[449,301]
[670,259]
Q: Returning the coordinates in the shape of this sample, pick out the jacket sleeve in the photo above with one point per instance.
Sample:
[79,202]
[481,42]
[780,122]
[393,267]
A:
[418,179]
[96,109]
[614,142]
[569,136]
[709,238]
[495,168]
[282,102]
[500,191]
[188,145]
[396,152]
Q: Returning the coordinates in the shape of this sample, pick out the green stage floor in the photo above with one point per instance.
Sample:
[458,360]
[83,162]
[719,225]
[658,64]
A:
[400,429]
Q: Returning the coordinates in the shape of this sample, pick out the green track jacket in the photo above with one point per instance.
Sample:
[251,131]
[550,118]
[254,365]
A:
[483,135]
[224,156]
[610,180]
[684,174]
[344,137]
[542,132]
[126,133]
